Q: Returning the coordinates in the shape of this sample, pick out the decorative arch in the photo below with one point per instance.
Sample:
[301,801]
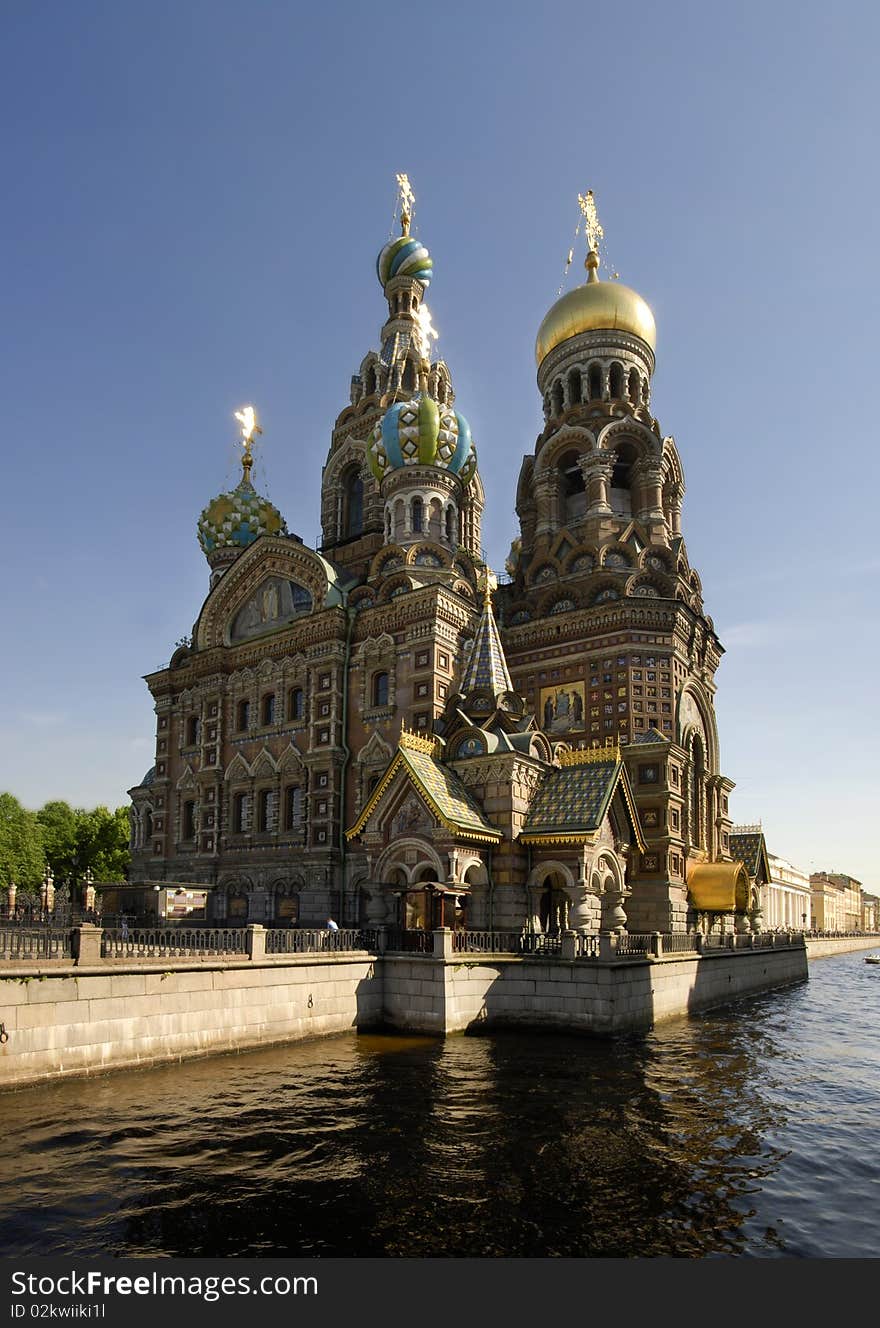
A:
[393,859]
[694,714]
[571,437]
[387,560]
[437,550]
[545,569]
[270,557]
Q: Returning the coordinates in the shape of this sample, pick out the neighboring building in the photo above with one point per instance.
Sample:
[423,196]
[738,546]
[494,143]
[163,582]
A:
[789,901]
[849,898]
[748,846]
[373,728]
[837,901]
[870,912]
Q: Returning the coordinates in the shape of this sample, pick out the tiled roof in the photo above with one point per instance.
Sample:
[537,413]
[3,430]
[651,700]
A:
[749,848]
[486,668]
[438,785]
[650,735]
[447,792]
[573,799]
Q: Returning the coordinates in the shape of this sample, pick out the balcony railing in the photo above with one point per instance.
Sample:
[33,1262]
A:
[19,942]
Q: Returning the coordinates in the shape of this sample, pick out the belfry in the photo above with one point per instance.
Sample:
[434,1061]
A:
[379,730]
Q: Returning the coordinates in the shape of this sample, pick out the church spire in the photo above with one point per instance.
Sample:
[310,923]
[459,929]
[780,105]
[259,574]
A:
[486,669]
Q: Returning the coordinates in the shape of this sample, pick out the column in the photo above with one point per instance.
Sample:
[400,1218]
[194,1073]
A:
[545,495]
[650,475]
[596,468]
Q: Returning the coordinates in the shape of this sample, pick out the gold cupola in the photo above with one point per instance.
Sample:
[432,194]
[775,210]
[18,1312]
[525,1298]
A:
[596,305]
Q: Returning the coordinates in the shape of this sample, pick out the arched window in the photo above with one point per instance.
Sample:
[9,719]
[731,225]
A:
[409,376]
[353,503]
[635,387]
[594,382]
[574,387]
[417,512]
[571,488]
[266,810]
[380,689]
[696,791]
[293,807]
[268,709]
[148,824]
[557,397]
[615,380]
[244,716]
[239,813]
[296,704]
[192,730]
[370,381]
[621,480]
[450,520]
[189,820]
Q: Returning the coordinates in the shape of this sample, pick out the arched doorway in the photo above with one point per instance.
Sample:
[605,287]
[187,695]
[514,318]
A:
[553,905]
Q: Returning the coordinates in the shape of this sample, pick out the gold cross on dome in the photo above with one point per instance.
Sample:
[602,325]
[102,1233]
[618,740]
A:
[594,232]
[407,199]
[247,418]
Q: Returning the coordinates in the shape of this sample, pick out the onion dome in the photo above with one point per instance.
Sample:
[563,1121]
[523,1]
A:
[234,520]
[595,306]
[404,257]
[421,432]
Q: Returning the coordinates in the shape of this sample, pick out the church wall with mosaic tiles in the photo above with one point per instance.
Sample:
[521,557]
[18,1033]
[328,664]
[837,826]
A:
[378,730]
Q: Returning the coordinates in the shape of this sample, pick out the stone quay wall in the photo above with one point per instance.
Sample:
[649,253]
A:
[819,947]
[65,1020]
[466,993]
[61,1017]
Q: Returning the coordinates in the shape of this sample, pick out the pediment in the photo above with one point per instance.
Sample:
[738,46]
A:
[375,752]
[238,768]
[290,759]
[264,767]
[269,585]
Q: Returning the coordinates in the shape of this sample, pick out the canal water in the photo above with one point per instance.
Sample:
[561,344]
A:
[751,1130]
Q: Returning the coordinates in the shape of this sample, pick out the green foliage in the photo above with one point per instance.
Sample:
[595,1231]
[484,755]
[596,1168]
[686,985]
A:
[73,840]
[21,844]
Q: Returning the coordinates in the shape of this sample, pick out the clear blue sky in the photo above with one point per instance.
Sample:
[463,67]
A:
[195,195]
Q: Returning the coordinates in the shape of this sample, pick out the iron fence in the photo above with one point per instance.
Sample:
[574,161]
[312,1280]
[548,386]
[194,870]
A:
[303,940]
[169,943]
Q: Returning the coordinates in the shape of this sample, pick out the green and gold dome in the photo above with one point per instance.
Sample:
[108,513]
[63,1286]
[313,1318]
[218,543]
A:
[232,521]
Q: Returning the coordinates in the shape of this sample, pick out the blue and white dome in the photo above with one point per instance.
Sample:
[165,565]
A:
[420,432]
[404,257]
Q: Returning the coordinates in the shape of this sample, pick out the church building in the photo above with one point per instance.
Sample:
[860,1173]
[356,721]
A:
[379,731]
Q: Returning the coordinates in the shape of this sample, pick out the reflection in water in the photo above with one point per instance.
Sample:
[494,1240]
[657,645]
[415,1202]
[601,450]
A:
[749,1130]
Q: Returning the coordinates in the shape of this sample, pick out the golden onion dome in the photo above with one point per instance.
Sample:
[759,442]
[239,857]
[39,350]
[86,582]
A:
[595,306]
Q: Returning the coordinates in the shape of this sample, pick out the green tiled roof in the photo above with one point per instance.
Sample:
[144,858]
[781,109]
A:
[448,794]
[573,800]
[750,849]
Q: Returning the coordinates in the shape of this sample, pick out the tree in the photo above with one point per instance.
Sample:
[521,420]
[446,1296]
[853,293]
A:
[21,844]
[58,822]
[106,835]
[80,840]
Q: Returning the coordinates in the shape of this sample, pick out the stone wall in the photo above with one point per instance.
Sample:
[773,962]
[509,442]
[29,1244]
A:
[822,947]
[60,1019]
[75,1021]
[435,996]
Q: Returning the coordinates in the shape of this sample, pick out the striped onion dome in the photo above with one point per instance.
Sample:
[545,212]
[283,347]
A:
[421,432]
[404,257]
